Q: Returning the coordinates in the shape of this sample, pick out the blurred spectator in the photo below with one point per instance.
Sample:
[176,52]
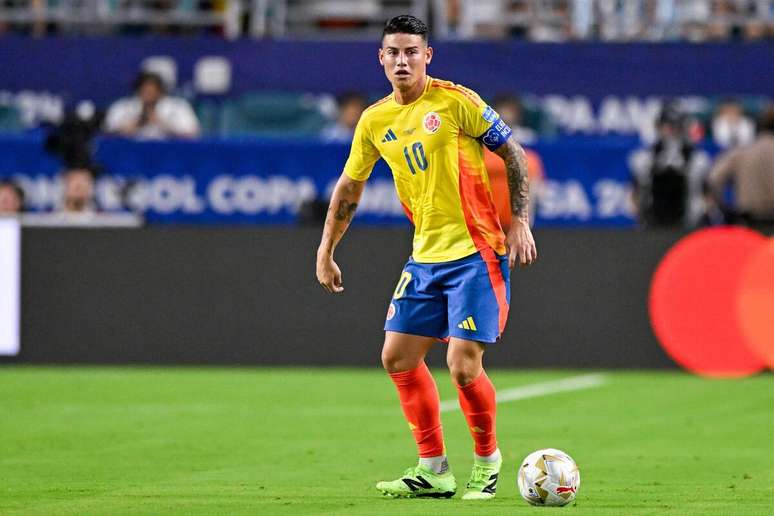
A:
[619,20]
[509,109]
[539,20]
[78,190]
[713,214]
[342,14]
[151,113]
[667,177]
[751,170]
[730,127]
[11,198]
[351,106]
[482,19]
[34,24]
[72,139]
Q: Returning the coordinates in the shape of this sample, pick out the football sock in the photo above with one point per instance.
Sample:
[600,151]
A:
[489,458]
[419,399]
[478,403]
[437,465]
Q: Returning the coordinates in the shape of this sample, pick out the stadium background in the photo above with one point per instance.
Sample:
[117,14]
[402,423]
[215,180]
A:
[221,271]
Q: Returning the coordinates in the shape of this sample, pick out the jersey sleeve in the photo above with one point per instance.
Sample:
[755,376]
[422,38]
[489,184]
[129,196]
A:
[480,121]
[363,154]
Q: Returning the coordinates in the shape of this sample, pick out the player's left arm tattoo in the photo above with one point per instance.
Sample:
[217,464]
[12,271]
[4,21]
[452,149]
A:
[518,181]
[345,210]
[341,210]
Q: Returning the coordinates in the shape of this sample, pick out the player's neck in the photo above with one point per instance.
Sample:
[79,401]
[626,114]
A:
[410,95]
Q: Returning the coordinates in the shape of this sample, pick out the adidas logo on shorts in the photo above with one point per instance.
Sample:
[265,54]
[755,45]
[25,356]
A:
[468,324]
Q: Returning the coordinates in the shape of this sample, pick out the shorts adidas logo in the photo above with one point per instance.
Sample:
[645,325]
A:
[468,324]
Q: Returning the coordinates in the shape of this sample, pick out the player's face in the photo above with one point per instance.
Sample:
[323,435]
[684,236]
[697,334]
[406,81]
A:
[405,58]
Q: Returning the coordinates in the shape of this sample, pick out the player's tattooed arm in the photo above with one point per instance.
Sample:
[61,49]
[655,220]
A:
[518,181]
[341,210]
[521,244]
[345,210]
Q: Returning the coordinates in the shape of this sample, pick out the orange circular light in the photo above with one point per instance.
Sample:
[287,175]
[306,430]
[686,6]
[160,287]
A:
[693,302]
[755,302]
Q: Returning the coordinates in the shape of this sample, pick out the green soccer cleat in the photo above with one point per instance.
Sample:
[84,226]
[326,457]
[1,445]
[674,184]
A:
[420,482]
[483,480]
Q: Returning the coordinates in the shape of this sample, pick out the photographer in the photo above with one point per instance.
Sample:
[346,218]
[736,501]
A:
[151,113]
[667,175]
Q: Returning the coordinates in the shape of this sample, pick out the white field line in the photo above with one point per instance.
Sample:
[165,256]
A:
[534,390]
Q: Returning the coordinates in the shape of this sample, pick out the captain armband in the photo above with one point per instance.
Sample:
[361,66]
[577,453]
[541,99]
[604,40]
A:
[496,135]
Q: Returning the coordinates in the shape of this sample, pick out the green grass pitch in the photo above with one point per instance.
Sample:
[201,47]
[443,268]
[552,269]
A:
[298,441]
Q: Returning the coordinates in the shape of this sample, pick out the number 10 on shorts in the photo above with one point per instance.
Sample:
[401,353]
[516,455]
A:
[403,282]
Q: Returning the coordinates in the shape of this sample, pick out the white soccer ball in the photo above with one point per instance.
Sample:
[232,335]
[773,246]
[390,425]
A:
[548,477]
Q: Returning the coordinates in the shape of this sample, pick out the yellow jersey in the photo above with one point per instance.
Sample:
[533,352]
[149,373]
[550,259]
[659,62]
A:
[434,148]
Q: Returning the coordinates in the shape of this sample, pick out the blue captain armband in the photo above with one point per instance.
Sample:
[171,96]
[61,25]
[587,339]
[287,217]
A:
[497,134]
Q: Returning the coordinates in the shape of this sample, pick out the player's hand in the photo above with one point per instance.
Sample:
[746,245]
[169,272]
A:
[329,274]
[521,244]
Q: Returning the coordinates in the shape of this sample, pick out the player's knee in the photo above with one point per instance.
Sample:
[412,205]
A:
[463,369]
[388,361]
[463,376]
[395,362]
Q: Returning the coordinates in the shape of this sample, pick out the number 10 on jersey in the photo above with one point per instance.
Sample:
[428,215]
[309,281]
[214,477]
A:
[419,157]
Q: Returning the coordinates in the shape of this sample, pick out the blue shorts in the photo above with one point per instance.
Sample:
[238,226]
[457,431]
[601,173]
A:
[466,298]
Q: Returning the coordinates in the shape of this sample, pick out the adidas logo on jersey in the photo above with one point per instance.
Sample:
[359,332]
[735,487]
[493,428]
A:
[389,137]
[468,324]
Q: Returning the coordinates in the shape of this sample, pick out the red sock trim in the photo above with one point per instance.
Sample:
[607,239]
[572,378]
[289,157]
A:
[407,377]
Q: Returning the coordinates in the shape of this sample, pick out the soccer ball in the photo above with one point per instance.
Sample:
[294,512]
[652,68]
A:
[548,477]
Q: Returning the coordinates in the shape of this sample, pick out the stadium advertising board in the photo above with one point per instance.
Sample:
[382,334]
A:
[252,181]
[10,274]
[230,295]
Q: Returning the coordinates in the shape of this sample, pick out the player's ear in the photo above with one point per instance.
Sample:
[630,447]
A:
[381,57]
[428,55]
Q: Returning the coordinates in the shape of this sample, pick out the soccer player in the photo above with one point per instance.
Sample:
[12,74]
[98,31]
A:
[455,286]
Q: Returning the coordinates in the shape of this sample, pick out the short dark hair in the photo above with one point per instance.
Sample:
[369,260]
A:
[671,115]
[507,98]
[8,183]
[351,96]
[405,24]
[88,167]
[146,76]
[766,120]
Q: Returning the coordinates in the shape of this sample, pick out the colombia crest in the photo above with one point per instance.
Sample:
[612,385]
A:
[431,122]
